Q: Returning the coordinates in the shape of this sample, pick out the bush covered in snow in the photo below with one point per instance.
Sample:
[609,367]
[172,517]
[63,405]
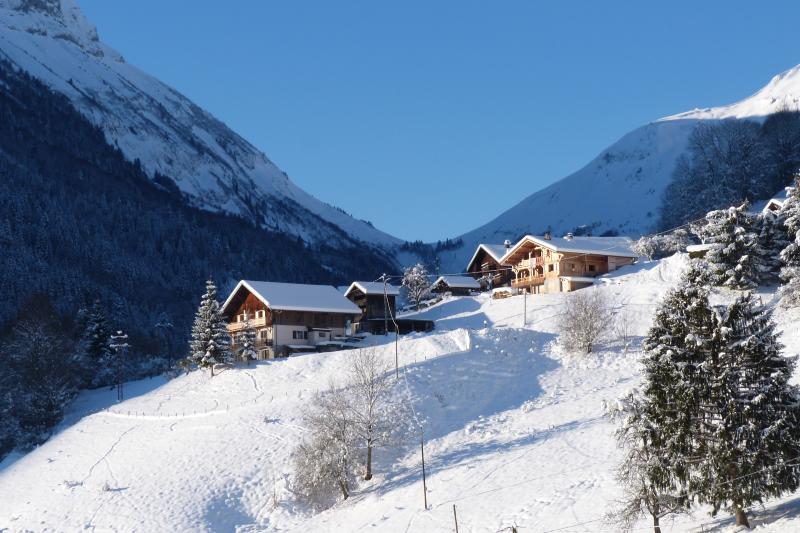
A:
[585,320]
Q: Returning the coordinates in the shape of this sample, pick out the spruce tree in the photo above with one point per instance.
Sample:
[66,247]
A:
[752,429]
[668,411]
[210,343]
[733,255]
[93,353]
[790,255]
[772,239]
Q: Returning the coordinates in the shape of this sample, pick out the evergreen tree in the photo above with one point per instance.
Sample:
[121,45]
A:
[733,256]
[668,415]
[772,239]
[93,352]
[752,425]
[790,255]
[210,343]
[247,343]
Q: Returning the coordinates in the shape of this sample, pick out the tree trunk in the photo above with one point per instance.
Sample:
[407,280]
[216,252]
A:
[212,371]
[741,517]
[368,476]
[656,526]
[343,488]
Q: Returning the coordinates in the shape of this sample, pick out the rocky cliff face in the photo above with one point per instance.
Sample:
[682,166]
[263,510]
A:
[162,129]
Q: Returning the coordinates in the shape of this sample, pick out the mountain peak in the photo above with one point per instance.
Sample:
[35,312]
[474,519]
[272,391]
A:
[60,19]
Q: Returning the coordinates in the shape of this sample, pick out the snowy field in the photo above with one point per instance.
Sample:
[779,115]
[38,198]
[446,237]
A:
[515,435]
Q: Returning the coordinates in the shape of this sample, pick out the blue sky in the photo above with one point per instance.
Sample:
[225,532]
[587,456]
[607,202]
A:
[431,118]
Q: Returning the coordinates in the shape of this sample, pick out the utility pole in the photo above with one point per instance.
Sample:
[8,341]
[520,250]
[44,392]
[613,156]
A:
[424,485]
[455,517]
[385,307]
[524,307]
[119,344]
[396,331]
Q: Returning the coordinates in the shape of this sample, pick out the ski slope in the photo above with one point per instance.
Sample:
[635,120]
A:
[514,435]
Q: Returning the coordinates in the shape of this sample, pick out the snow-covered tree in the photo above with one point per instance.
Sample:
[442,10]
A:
[752,424]
[45,374]
[586,318]
[324,462]
[377,415]
[658,246]
[669,406]
[771,241]
[638,473]
[93,352]
[790,211]
[246,350]
[210,343]
[790,255]
[732,256]
[416,284]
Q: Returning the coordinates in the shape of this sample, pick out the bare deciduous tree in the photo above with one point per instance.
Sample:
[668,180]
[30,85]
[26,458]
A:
[324,462]
[376,414]
[585,320]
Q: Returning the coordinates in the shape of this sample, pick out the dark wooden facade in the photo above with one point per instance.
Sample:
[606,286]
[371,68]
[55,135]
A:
[484,267]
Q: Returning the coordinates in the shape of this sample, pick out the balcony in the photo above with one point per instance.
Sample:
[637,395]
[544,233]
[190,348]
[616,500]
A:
[254,322]
[527,282]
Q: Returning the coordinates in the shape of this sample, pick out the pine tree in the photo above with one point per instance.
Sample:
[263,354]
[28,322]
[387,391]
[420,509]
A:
[752,417]
[732,255]
[790,211]
[247,339]
[771,241]
[93,353]
[210,343]
[669,405]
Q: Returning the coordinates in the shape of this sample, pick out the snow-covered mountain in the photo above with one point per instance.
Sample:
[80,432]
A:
[621,189]
[164,130]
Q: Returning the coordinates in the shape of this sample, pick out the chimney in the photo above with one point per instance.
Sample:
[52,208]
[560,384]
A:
[568,236]
[547,236]
[507,244]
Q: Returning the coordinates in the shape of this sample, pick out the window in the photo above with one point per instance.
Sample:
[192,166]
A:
[591,268]
[263,334]
[572,266]
[260,314]
[322,334]
[300,335]
[550,267]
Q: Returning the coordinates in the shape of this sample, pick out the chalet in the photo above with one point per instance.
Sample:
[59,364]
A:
[455,285]
[562,264]
[776,202]
[486,265]
[377,309]
[288,316]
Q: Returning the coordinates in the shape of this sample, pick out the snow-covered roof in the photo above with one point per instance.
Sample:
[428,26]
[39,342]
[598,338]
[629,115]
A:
[372,287]
[615,246]
[297,297]
[496,251]
[697,248]
[774,203]
[458,282]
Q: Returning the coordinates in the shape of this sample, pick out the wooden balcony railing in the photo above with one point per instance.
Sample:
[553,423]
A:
[254,322]
[528,282]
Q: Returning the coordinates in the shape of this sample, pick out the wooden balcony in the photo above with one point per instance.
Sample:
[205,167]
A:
[254,322]
[527,282]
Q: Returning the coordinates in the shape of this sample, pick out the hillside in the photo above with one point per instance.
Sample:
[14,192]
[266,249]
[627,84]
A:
[621,190]
[156,125]
[514,435]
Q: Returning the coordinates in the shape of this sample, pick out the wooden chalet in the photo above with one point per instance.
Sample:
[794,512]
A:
[455,285]
[562,264]
[288,316]
[487,267]
[377,310]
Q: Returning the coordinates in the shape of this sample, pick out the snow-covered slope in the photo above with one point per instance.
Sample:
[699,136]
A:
[620,190]
[514,435]
[165,131]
